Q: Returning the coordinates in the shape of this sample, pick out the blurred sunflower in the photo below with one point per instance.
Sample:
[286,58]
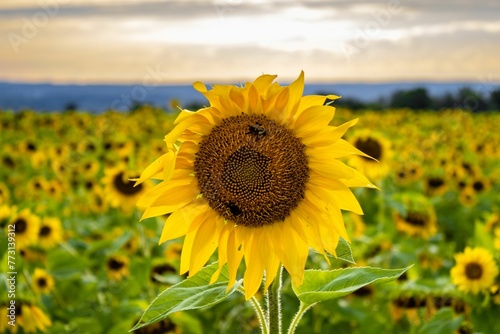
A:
[257,167]
[43,282]
[376,147]
[496,240]
[419,218]
[173,251]
[467,196]
[50,233]
[474,271]
[436,185]
[29,318]
[117,267]
[120,191]
[407,305]
[27,226]
[4,193]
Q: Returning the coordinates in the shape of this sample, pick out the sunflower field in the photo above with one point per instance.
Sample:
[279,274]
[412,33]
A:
[77,258]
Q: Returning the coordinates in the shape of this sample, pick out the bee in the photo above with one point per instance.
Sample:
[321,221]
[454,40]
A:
[257,130]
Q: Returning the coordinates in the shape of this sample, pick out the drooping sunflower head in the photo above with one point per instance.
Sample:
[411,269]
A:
[117,267]
[418,217]
[259,166]
[475,270]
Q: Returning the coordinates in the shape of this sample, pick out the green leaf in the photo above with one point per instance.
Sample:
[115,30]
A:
[344,251]
[443,322]
[482,237]
[321,285]
[192,293]
[62,264]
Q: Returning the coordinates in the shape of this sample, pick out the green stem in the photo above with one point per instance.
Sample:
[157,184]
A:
[295,321]
[274,304]
[258,311]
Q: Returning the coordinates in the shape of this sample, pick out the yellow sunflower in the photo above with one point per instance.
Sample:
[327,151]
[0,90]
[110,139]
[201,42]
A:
[50,233]
[419,218]
[28,317]
[257,175]
[43,282]
[120,191]
[117,267]
[377,165]
[474,271]
[4,193]
[26,228]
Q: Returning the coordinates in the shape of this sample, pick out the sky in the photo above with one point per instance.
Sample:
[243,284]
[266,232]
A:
[182,41]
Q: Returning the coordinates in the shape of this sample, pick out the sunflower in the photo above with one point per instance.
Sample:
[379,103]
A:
[4,194]
[43,282]
[377,165]
[418,218]
[26,228]
[474,271]
[407,306]
[28,317]
[496,240]
[117,267]
[257,167]
[50,233]
[120,191]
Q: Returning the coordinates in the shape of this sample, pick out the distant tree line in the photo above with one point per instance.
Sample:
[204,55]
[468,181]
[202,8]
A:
[419,99]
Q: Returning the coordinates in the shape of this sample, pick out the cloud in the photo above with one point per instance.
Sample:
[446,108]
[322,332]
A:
[237,39]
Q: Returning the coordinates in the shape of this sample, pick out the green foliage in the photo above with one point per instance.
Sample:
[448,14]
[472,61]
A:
[321,285]
[193,293]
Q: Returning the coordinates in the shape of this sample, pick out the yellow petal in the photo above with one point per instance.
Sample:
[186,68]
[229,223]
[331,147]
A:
[312,119]
[183,193]
[263,83]
[153,169]
[294,252]
[327,136]
[252,279]
[339,194]
[222,250]
[234,256]
[332,169]
[205,242]
[178,223]
[186,253]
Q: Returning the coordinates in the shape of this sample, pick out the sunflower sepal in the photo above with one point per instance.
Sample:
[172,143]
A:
[193,293]
[323,285]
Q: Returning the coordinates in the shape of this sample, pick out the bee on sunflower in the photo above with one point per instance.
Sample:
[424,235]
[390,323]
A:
[257,175]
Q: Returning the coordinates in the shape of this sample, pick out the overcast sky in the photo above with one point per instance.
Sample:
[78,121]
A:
[180,41]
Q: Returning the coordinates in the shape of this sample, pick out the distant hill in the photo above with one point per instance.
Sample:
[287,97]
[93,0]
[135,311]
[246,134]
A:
[98,98]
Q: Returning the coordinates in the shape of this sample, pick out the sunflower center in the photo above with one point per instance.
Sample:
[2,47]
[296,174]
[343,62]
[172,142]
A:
[21,225]
[416,219]
[124,186]
[115,264]
[252,170]
[473,270]
[478,186]
[45,231]
[41,282]
[435,182]
[369,146]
